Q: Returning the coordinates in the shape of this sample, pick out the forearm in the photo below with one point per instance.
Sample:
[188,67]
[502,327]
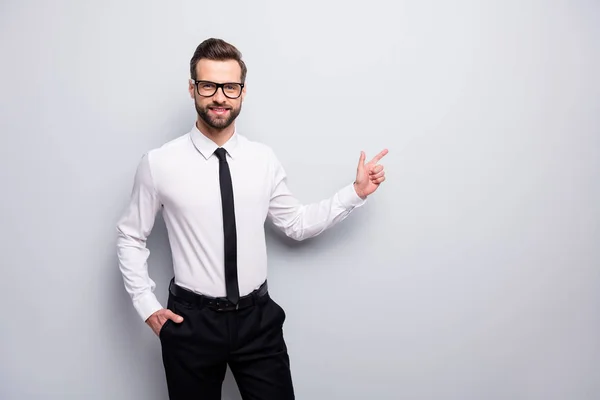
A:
[133,255]
[301,222]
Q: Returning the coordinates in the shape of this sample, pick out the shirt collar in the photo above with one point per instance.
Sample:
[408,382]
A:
[207,147]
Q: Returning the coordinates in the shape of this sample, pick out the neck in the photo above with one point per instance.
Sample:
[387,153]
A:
[219,136]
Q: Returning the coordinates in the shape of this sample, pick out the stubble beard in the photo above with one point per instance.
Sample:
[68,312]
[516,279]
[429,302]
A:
[217,122]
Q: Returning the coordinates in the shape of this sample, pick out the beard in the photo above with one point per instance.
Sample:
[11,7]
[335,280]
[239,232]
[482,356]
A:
[216,121]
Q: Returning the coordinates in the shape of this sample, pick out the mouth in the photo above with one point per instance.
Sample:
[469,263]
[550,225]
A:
[219,110]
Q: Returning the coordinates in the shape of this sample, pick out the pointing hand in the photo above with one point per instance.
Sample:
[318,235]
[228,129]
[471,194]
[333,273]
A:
[370,175]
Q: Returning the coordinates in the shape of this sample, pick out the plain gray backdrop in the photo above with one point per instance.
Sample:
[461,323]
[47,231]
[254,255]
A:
[473,273]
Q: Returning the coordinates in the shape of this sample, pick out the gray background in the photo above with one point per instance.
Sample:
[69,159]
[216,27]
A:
[473,273]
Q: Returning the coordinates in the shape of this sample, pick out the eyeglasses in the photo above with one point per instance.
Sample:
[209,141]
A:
[231,90]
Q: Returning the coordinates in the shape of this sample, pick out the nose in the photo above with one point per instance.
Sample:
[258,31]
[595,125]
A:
[219,96]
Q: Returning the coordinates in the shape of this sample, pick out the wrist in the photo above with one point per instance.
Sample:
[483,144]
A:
[359,192]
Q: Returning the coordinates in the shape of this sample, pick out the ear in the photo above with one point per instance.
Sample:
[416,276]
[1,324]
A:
[191,88]
[244,91]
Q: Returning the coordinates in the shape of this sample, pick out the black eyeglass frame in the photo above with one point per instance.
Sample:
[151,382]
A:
[217,86]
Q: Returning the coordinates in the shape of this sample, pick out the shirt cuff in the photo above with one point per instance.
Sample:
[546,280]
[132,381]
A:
[349,198]
[147,305]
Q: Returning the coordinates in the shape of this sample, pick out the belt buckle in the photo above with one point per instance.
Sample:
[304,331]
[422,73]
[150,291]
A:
[225,305]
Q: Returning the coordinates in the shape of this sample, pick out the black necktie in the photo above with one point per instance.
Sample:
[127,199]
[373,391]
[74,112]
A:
[231,278]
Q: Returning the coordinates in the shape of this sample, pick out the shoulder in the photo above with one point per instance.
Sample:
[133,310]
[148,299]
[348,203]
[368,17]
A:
[257,149]
[169,151]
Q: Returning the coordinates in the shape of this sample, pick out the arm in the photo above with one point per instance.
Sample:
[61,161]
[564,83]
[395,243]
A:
[300,221]
[133,229]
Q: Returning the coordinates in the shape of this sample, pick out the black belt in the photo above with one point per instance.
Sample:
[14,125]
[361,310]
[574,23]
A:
[217,303]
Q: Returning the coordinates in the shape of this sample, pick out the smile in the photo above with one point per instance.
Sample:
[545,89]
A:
[219,110]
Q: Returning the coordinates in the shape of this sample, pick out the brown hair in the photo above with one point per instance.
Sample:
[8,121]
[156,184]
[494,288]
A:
[217,50]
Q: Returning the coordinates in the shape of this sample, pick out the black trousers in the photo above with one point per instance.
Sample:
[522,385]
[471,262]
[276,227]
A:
[250,340]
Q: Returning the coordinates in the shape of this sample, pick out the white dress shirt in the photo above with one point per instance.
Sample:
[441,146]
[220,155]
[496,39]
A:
[181,177]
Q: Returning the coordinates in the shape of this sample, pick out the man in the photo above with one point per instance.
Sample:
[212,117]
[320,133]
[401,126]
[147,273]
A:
[216,188]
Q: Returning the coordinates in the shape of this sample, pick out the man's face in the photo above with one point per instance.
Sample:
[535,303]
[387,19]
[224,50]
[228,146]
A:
[217,111]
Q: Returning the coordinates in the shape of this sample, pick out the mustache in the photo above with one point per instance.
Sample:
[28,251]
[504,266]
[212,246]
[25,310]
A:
[219,106]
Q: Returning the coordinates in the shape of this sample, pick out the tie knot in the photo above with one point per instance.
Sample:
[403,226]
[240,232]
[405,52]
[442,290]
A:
[221,153]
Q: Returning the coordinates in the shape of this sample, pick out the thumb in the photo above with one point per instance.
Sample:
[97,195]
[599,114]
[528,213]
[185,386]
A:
[174,317]
[361,160]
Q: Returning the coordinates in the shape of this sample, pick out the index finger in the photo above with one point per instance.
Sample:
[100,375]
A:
[379,156]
